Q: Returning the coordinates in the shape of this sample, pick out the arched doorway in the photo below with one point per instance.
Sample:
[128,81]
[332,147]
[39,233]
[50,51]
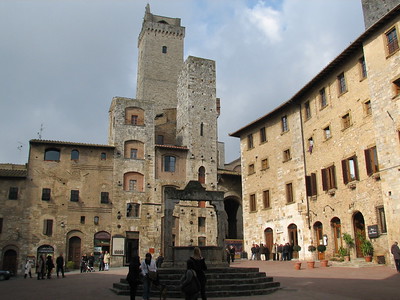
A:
[318,231]
[269,241]
[10,261]
[231,208]
[359,229]
[337,234]
[74,251]
[293,239]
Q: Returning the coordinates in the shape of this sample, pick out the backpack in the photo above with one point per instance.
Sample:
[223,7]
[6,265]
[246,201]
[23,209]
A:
[193,286]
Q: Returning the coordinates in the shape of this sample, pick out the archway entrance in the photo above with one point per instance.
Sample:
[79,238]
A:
[10,261]
[74,251]
[359,229]
[319,238]
[231,208]
[293,239]
[337,234]
[269,241]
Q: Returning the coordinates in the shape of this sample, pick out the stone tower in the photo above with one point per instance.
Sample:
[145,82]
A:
[160,59]
[374,10]
[197,115]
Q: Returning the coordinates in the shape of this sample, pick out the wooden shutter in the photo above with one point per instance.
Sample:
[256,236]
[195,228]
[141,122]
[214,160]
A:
[368,162]
[324,179]
[313,184]
[345,172]
[356,167]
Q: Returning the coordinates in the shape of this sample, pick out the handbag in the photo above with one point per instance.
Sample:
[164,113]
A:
[151,274]
[193,286]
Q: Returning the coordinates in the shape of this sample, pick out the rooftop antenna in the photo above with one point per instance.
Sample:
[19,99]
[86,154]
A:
[40,131]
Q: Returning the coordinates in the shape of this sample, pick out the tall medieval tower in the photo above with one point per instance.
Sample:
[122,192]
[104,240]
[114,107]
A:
[160,59]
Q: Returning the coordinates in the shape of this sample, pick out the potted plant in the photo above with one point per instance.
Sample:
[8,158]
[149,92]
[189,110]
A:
[297,264]
[342,252]
[367,248]
[349,244]
[322,249]
[312,249]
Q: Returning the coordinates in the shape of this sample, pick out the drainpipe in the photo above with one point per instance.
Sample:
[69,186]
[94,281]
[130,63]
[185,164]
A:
[305,166]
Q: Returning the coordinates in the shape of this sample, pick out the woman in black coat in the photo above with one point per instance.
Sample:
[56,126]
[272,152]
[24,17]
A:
[200,266]
[133,276]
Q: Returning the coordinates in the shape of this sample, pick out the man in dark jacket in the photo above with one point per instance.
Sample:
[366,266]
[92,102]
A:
[396,255]
[60,265]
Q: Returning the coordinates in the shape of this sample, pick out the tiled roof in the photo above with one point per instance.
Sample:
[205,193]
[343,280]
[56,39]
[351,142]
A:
[13,173]
[69,143]
[173,147]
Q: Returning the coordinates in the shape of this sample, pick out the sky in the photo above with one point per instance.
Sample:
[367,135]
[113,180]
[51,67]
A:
[62,61]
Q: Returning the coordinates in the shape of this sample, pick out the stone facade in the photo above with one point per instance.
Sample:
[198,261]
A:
[326,162]
[374,10]
[80,198]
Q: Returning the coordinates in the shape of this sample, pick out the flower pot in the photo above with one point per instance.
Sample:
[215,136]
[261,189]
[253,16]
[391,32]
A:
[310,264]
[297,265]
[368,258]
[324,263]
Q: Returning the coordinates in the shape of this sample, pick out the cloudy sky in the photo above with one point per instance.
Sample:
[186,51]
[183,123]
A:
[62,61]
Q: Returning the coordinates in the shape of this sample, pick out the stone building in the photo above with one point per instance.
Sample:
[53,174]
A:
[79,198]
[326,162]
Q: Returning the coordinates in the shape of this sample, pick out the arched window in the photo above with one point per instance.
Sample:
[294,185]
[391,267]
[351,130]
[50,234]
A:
[52,155]
[134,116]
[202,175]
[74,155]
[133,182]
[169,163]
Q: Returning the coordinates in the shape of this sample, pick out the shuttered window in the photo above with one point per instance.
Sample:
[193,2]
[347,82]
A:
[328,178]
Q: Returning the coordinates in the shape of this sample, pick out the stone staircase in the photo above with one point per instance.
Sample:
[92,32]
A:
[221,282]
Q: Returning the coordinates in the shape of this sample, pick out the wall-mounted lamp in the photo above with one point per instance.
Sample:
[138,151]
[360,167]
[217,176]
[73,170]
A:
[312,212]
[327,206]
[119,216]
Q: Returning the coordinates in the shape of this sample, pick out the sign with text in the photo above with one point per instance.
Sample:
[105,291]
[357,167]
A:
[118,246]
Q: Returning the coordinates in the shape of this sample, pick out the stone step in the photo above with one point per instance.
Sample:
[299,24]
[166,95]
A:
[221,282]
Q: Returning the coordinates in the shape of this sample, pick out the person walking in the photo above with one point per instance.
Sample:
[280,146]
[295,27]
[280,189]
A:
[274,251]
[28,269]
[396,255]
[83,263]
[106,261]
[133,276]
[190,284]
[101,261]
[262,251]
[40,267]
[60,265]
[49,266]
[232,252]
[148,265]
[253,252]
[199,267]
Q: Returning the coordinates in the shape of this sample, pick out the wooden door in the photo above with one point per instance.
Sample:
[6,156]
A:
[269,241]
[337,234]
[319,238]
[10,261]
[293,239]
[74,251]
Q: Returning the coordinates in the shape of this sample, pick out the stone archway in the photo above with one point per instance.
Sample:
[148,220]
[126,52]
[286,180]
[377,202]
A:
[359,230]
[10,261]
[233,210]
[74,251]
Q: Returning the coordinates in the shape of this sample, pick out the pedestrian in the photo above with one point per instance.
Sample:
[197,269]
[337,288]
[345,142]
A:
[396,255]
[49,266]
[232,252]
[253,252]
[101,261]
[91,262]
[40,267]
[258,255]
[285,252]
[280,252]
[159,260]
[262,251]
[28,269]
[190,284]
[274,251]
[133,276]
[83,263]
[200,267]
[228,255]
[60,265]
[106,261]
[148,266]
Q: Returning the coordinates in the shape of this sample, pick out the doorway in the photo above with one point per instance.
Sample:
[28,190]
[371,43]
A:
[10,261]
[293,239]
[337,234]
[74,251]
[131,245]
[269,241]
[359,230]
[231,208]
[319,238]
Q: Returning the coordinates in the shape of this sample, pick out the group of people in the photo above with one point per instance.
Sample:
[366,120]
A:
[87,262]
[230,252]
[278,251]
[45,266]
[193,282]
